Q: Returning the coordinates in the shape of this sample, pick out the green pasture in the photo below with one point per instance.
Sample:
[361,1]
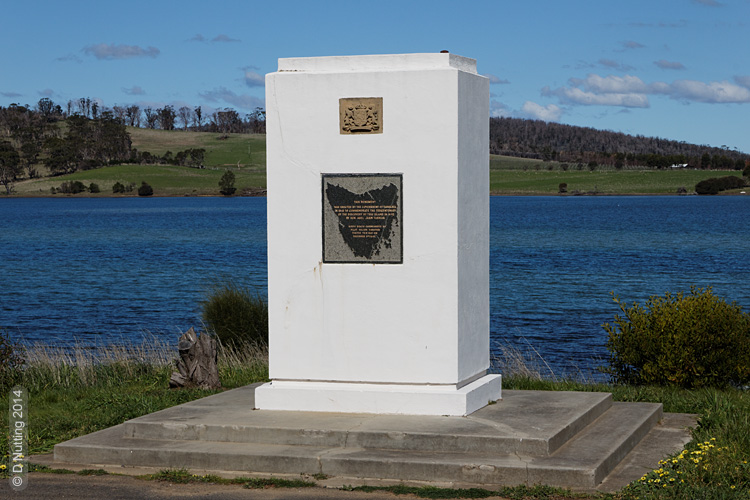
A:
[221,150]
[520,176]
[245,155]
[167,180]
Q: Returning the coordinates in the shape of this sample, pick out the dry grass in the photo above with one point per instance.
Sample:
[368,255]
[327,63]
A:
[527,363]
[85,366]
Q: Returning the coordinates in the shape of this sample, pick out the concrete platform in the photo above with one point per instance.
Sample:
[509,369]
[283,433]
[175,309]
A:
[580,440]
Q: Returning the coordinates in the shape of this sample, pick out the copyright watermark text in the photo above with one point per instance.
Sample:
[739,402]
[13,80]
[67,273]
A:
[19,437]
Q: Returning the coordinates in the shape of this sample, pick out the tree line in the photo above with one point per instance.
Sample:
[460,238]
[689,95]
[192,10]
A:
[584,145]
[89,138]
[225,120]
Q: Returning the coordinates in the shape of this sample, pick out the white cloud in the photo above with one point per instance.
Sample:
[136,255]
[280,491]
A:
[113,51]
[241,101]
[11,95]
[254,79]
[610,84]
[609,63]
[496,80]
[499,110]
[549,113]
[632,92]
[630,44]
[663,64]
[224,38]
[46,92]
[574,95]
[69,57]
[712,92]
[134,90]
[709,3]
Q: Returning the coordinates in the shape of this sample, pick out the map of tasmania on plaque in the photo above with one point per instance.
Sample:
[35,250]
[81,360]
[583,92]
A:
[362,219]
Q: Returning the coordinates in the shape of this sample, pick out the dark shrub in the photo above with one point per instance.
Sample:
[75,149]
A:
[692,340]
[562,187]
[716,184]
[118,188]
[707,186]
[93,188]
[226,184]
[72,187]
[236,315]
[145,190]
[746,172]
[10,363]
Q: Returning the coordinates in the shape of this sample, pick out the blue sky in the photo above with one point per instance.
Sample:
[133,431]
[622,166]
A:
[677,69]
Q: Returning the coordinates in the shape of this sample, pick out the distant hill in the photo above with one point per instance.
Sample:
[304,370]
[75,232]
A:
[568,143]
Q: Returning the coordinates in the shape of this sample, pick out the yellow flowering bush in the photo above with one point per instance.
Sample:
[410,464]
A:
[686,340]
[700,471]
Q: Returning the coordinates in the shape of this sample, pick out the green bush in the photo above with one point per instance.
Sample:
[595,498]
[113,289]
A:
[94,188]
[227,184]
[716,184]
[72,187]
[145,190]
[686,340]
[10,363]
[237,316]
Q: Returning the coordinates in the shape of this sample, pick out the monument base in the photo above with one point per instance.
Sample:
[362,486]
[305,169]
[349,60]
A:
[406,399]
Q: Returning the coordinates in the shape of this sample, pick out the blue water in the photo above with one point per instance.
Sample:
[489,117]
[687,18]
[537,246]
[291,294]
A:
[101,270]
[555,260]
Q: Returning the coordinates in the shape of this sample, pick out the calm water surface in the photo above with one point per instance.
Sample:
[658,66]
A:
[101,270]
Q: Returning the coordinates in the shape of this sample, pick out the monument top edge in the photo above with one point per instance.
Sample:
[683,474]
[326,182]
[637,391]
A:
[382,62]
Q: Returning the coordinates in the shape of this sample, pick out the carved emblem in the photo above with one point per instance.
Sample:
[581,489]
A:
[360,115]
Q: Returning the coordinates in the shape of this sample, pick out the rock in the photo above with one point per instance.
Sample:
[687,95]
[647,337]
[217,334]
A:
[197,364]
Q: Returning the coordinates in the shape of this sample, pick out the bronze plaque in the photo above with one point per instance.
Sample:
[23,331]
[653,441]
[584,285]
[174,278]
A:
[362,218]
[361,115]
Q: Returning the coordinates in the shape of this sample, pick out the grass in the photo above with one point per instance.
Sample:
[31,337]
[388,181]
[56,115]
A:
[167,180]
[714,465]
[245,154]
[249,150]
[77,391]
[520,176]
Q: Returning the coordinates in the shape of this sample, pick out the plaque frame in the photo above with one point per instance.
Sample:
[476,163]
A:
[397,232]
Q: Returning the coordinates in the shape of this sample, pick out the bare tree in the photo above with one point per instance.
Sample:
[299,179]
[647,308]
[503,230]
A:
[185,114]
[84,106]
[198,117]
[151,117]
[166,117]
[119,112]
[133,112]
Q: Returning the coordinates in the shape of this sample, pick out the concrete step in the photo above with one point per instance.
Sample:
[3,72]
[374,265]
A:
[525,422]
[666,438]
[561,439]
[589,457]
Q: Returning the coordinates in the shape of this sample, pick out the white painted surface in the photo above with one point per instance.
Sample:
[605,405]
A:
[425,321]
[378,398]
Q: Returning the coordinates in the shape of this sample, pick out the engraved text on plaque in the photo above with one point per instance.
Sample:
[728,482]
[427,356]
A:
[362,218]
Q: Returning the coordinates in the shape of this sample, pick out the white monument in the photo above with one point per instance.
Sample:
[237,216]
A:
[378,235]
